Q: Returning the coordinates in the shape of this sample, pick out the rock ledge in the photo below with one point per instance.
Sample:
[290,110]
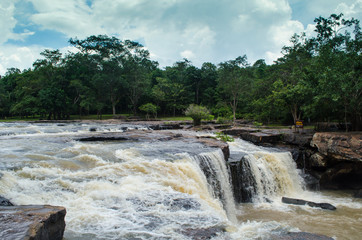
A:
[32,222]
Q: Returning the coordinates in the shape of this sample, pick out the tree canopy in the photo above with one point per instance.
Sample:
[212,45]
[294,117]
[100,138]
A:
[317,78]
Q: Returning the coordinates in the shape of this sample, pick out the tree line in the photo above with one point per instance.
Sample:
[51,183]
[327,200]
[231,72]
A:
[317,78]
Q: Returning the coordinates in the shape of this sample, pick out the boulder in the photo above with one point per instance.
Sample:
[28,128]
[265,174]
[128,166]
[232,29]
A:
[5,202]
[311,204]
[32,222]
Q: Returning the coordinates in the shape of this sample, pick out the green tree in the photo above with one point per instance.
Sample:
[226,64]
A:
[291,87]
[338,68]
[234,81]
[122,67]
[149,108]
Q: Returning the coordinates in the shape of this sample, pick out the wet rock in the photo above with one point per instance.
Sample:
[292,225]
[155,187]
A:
[242,180]
[358,194]
[32,222]
[300,236]
[318,161]
[343,175]
[262,138]
[93,129]
[212,142]
[311,181]
[5,202]
[165,126]
[311,204]
[203,233]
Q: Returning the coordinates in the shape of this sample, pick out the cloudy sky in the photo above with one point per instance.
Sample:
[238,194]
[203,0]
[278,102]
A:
[199,30]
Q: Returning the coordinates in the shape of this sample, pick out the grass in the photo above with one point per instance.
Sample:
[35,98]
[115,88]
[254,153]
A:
[72,117]
[175,118]
[278,126]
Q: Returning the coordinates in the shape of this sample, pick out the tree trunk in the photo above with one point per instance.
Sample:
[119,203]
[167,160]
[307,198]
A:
[114,109]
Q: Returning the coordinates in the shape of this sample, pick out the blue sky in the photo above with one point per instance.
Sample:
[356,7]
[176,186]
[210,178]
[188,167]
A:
[199,30]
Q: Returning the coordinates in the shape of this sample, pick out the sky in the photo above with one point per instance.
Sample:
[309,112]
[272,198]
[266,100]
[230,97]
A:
[200,30]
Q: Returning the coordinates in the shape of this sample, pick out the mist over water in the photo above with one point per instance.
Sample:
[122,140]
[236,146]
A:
[154,189]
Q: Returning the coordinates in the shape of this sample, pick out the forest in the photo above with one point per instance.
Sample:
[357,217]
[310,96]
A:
[317,79]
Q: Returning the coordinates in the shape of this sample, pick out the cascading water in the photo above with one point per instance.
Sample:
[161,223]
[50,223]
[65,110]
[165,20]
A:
[158,188]
[214,168]
[152,189]
[263,175]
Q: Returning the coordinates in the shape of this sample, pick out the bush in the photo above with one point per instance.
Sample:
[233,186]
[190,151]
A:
[197,113]
[223,137]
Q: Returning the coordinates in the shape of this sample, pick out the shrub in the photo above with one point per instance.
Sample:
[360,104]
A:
[223,137]
[197,113]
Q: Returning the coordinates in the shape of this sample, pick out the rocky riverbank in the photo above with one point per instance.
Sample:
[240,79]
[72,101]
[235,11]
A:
[333,159]
[31,222]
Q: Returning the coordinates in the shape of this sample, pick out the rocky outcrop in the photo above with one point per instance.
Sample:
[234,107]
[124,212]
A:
[271,137]
[32,222]
[309,203]
[339,146]
[339,157]
[333,158]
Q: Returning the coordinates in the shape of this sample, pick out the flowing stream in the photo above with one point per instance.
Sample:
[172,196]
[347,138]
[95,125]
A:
[270,174]
[159,188]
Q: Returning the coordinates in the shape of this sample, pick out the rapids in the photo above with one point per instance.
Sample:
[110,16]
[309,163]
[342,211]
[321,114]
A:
[158,188]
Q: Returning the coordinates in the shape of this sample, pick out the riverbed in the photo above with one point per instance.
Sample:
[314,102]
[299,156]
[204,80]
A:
[154,188]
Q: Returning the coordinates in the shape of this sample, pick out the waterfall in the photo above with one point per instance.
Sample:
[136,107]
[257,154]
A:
[144,189]
[263,174]
[217,175]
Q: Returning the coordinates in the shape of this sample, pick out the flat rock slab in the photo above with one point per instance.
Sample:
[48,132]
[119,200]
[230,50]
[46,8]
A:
[32,222]
[300,236]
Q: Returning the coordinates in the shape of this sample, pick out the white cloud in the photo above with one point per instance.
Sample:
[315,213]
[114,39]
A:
[202,30]
[353,10]
[212,30]
[7,22]
[18,57]
[187,54]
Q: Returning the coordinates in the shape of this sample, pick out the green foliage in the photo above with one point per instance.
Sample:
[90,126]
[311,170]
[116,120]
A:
[149,108]
[317,78]
[197,113]
[224,137]
[223,120]
[257,124]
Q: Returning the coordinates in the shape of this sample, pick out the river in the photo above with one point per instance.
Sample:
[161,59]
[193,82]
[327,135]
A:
[158,188]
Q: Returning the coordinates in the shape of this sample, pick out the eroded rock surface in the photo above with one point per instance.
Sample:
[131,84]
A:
[32,222]
[339,146]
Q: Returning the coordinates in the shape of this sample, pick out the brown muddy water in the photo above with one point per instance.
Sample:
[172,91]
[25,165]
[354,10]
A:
[344,223]
[157,189]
